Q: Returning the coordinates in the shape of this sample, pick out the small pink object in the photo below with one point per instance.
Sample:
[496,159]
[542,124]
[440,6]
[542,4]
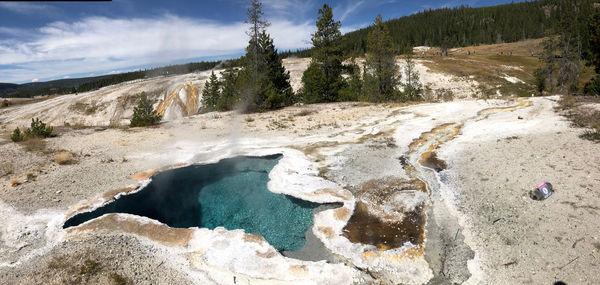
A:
[541,184]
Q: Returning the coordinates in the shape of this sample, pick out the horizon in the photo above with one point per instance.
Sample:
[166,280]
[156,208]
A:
[45,41]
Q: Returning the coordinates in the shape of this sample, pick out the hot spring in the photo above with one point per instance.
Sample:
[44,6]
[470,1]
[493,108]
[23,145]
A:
[231,193]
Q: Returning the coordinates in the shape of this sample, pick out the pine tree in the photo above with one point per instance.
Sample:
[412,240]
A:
[263,81]
[323,80]
[413,87]
[211,93]
[144,114]
[593,86]
[257,27]
[353,90]
[278,92]
[230,90]
[594,28]
[381,75]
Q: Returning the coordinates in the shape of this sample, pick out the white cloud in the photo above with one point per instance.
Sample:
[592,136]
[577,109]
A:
[285,9]
[348,10]
[25,8]
[12,31]
[35,80]
[98,43]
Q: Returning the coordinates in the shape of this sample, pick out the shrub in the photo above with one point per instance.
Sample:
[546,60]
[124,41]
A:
[313,81]
[63,157]
[592,88]
[144,114]
[89,267]
[540,80]
[38,129]
[34,144]
[17,136]
[5,103]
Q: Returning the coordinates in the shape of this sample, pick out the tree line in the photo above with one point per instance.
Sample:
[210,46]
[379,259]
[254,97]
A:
[573,44]
[70,86]
[262,83]
[466,26]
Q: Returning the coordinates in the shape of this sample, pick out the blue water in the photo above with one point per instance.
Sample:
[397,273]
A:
[231,193]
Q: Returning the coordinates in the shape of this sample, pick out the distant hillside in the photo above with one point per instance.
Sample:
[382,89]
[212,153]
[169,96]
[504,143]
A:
[8,88]
[68,86]
[465,26]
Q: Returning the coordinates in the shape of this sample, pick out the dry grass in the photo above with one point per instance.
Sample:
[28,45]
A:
[63,157]
[118,279]
[84,268]
[34,144]
[78,126]
[7,168]
[571,108]
[87,109]
[490,64]
[304,112]
[29,176]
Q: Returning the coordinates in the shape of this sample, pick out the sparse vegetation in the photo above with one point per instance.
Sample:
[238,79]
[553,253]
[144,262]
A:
[17,135]
[144,114]
[118,279]
[34,144]
[37,130]
[63,157]
[304,112]
[89,267]
[7,169]
[413,87]
[592,88]
[87,109]
[5,103]
[582,118]
[84,268]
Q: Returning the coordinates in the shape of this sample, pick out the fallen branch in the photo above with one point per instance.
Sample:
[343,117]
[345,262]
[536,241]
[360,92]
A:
[569,263]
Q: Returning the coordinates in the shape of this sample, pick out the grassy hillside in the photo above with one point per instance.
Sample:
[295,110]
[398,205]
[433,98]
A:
[465,26]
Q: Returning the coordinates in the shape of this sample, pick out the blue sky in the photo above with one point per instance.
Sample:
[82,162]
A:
[42,41]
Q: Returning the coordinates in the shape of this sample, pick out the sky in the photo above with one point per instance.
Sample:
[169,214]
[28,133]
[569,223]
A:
[41,41]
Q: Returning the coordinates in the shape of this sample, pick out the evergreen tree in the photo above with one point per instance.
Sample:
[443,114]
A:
[144,114]
[381,75]
[211,93]
[413,87]
[263,81]
[230,90]
[593,87]
[278,92]
[540,80]
[257,27]
[594,42]
[353,90]
[323,80]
